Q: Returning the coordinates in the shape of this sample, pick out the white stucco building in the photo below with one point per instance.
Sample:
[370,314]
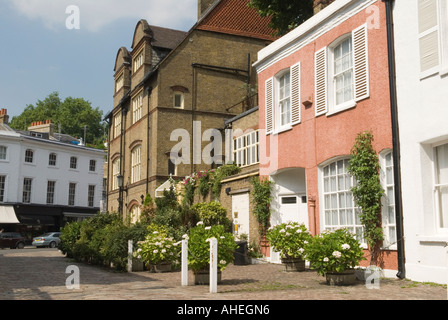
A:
[46,178]
[421,50]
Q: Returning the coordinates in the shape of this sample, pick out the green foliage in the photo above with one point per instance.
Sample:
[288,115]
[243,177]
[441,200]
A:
[212,213]
[335,251]
[72,114]
[261,198]
[285,14]
[204,182]
[221,173]
[199,247]
[364,167]
[290,239]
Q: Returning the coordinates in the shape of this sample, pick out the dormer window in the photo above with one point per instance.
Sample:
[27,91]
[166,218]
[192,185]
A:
[119,83]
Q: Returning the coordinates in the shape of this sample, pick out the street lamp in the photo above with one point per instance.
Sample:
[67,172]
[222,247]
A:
[120,193]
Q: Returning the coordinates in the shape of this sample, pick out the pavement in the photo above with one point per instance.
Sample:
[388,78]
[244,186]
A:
[40,274]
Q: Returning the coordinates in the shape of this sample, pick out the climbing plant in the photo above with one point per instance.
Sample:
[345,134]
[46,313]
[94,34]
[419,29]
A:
[261,198]
[364,167]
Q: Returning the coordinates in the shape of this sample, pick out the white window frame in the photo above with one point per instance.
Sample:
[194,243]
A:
[136,155]
[51,187]
[92,165]
[436,187]
[137,107]
[2,188]
[52,157]
[29,153]
[3,153]
[138,60]
[27,190]
[388,200]
[283,98]
[180,95]
[119,83]
[329,197]
[73,165]
[244,146]
[91,196]
[117,125]
[115,173]
[72,193]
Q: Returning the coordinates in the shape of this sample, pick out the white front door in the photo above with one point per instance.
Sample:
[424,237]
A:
[240,213]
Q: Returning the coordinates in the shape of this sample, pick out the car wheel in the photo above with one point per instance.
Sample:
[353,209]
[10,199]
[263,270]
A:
[52,244]
[20,245]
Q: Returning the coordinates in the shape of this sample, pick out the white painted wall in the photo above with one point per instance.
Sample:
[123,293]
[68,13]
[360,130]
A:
[423,121]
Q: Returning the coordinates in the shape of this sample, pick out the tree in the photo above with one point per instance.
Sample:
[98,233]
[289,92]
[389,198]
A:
[73,115]
[285,14]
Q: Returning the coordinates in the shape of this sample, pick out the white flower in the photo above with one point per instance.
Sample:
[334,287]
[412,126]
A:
[326,259]
[301,250]
[287,234]
[345,246]
[305,242]
[299,231]
[163,251]
[185,236]
[155,232]
[222,237]
[139,249]
[139,256]
[155,251]
[336,254]
[222,262]
[199,223]
[283,230]
[208,228]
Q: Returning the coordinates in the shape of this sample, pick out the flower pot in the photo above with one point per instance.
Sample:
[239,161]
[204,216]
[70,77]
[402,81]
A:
[240,254]
[346,278]
[161,267]
[202,277]
[294,264]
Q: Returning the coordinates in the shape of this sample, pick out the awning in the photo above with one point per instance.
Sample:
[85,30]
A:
[78,215]
[8,215]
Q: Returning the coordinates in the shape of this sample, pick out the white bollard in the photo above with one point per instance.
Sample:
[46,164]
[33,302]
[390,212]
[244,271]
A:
[184,263]
[213,265]
[130,251]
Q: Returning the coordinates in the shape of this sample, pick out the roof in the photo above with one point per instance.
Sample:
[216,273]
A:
[166,38]
[237,18]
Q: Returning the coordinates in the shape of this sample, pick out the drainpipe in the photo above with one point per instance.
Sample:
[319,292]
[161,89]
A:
[395,139]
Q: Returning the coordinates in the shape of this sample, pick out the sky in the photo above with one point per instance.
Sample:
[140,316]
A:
[44,47]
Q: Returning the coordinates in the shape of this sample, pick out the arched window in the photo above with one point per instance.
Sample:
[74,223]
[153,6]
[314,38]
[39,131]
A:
[136,155]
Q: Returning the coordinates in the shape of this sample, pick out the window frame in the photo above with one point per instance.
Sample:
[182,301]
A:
[182,99]
[27,190]
[91,195]
[92,164]
[241,146]
[436,184]
[73,163]
[2,188]
[29,153]
[72,193]
[385,201]
[136,162]
[51,187]
[137,107]
[116,168]
[5,153]
[138,61]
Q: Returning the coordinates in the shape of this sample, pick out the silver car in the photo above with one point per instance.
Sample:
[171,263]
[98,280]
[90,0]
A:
[49,239]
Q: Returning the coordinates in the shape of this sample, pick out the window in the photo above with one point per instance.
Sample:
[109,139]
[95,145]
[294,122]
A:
[136,164]
[137,106]
[29,156]
[138,61]
[115,173]
[342,73]
[52,159]
[2,188]
[441,185]
[388,201]
[178,100]
[50,191]
[71,194]
[117,125]
[73,162]
[339,210]
[135,213]
[91,196]
[283,100]
[119,83]
[3,150]
[92,165]
[26,195]
[246,149]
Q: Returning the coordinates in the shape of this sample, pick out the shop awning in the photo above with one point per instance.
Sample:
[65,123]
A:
[8,215]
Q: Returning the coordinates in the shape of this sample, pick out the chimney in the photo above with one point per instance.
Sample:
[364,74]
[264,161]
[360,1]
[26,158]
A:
[42,126]
[321,4]
[4,118]
[203,6]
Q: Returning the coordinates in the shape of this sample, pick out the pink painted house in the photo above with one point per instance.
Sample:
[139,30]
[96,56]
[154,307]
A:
[319,86]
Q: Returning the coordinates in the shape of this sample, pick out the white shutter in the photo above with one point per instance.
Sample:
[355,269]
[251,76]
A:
[321,81]
[269,105]
[361,63]
[428,35]
[295,94]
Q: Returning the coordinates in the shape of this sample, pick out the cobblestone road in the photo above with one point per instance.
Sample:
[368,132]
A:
[39,274]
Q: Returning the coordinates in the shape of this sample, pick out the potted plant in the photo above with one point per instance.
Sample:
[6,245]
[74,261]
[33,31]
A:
[335,254]
[158,251]
[290,240]
[199,250]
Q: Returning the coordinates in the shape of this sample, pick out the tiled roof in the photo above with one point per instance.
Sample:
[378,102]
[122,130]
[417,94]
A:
[235,17]
[166,38]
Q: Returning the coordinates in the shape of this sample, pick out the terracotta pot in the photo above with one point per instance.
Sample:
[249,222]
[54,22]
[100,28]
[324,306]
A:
[346,278]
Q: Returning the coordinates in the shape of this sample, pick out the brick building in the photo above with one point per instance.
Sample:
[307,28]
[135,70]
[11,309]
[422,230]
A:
[175,84]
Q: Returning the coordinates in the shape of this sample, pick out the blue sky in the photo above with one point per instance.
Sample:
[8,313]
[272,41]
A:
[39,55]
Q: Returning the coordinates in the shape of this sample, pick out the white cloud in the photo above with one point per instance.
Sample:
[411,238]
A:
[96,14]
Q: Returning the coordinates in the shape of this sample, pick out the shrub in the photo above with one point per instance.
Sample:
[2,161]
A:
[290,239]
[213,213]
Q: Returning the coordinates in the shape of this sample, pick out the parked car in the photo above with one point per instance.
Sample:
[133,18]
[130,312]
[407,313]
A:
[49,239]
[12,240]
